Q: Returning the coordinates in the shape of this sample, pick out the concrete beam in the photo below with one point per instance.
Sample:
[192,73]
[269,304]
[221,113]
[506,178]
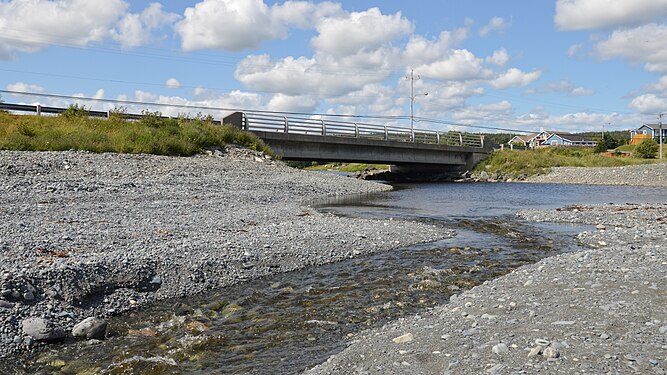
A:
[347,149]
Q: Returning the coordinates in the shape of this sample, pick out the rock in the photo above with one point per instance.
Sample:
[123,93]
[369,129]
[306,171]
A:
[28,296]
[534,352]
[41,329]
[600,227]
[403,339]
[550,353]
[663,330]
[90,328]
[5,304]
[500,349]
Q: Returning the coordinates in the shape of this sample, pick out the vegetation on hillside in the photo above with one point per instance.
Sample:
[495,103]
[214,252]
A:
[74,130]
[516,163]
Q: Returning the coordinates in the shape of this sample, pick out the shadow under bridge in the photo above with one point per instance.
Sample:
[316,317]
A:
[408,152]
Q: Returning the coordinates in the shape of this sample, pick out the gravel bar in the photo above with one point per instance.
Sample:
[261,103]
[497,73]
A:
[599,311]
[633,175]
[92,235]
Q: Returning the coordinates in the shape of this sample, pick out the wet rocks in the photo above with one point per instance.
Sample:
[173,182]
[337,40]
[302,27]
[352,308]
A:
[588,312]
[90,328]
[111,233]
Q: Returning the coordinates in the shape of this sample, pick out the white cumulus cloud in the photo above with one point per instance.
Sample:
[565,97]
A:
[236,25]
[228,24]
[172,83]
[359,31]
[515,77]
[496,24]
[499,57]
[292,103]
[134,30]
[596,14]
[29,26]
[649,103]
[460,64]
[647,43]
[25,87]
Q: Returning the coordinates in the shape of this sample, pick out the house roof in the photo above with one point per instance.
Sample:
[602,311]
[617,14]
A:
[572,137]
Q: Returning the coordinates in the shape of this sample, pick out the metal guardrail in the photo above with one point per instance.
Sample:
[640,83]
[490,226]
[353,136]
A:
[40,110]
[253,121]
[258,121]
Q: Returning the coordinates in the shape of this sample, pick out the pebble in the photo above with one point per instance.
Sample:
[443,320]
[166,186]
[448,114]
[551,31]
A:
[408,337]
[500,348]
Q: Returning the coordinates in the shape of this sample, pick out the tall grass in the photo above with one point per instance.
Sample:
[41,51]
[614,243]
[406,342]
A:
[513,163]
[177,137]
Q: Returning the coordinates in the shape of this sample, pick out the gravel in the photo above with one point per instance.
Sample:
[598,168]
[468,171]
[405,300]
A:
[635,175]
[91,235]
[599,311]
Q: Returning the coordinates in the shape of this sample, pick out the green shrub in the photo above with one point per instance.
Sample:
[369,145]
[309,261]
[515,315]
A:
[75,111]
[646,149]
[151,135]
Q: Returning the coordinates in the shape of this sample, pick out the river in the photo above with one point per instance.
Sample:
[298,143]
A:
[289,322]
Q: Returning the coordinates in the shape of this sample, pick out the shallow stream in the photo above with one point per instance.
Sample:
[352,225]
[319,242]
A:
[293,321]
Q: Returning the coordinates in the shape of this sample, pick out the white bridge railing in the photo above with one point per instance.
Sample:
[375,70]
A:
[253,121]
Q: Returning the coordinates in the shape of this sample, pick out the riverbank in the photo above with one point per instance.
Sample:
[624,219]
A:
[633,175]
[101,234]
[603,310]
[599,311]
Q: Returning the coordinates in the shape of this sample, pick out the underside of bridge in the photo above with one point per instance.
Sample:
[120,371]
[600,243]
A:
[406,158]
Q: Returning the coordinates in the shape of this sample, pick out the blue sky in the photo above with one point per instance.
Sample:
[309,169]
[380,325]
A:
[569,65]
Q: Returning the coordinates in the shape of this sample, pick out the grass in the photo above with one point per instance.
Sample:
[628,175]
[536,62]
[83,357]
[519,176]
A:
[346,167]
[176,137]
[514,163]
[627,148]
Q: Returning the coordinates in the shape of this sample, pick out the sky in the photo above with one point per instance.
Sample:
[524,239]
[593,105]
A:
[566,65]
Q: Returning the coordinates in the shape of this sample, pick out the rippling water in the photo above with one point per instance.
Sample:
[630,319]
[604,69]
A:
[289,322]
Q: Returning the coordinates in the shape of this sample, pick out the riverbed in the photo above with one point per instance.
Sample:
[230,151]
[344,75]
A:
[289,322]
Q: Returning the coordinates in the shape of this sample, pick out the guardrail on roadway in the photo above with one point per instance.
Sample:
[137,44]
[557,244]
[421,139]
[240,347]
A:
[254,121]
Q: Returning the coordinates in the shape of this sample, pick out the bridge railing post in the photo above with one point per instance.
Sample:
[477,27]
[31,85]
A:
[286,125]
[244,121]
[356,130]
[481,140]
[437,137]
[38,109]
[386,133]
[324,128]
[461,139]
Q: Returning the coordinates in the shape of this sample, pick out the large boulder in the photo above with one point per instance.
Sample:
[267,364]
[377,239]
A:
[90,328]
[41,329]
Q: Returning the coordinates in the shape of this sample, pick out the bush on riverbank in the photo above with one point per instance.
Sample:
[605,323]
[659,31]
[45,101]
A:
[515,163]
[74,131]
[647,149]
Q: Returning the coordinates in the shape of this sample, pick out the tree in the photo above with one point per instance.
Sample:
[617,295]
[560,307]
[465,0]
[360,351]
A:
[607,143]
[647,149]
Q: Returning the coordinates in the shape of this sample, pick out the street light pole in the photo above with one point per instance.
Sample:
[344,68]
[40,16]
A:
[412,103]
[660,127]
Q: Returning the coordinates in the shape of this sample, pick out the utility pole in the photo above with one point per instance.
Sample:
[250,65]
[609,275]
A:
[660,127]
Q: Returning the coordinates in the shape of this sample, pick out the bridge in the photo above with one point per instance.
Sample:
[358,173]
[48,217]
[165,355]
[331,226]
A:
[407,151]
